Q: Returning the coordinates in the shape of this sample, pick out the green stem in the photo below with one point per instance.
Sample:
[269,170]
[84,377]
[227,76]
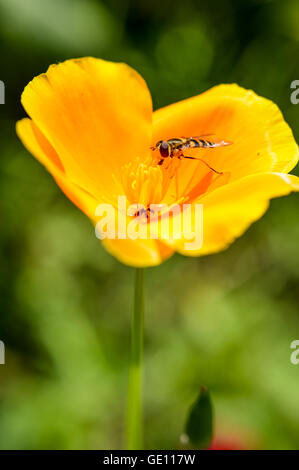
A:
[134,417]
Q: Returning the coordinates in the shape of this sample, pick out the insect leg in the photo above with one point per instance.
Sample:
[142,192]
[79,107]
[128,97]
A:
[176,186]
[201,160]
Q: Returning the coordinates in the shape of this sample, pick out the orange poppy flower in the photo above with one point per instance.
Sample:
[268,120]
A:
[92,126]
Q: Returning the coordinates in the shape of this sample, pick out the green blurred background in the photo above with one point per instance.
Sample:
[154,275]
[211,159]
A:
[66,303]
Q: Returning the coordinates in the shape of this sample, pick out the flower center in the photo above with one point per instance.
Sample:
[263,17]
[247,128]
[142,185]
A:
[146,183]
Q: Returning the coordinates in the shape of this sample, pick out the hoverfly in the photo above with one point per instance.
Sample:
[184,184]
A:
[174,148]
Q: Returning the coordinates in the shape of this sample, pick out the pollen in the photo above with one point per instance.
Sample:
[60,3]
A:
[144,183]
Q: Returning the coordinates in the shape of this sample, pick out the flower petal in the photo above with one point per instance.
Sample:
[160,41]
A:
[231,209]
[38,145]
[262,140]
[138,253]
[97,116]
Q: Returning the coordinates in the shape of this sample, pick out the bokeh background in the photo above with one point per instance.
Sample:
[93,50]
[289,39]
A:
[65,303]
